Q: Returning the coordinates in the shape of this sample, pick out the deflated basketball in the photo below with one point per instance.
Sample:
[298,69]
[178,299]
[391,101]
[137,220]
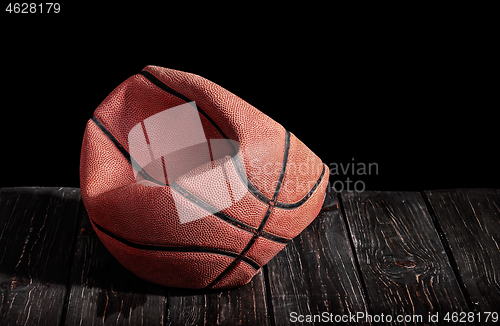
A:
[187,185]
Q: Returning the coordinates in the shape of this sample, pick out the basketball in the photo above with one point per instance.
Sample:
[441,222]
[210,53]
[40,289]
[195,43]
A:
[189,186]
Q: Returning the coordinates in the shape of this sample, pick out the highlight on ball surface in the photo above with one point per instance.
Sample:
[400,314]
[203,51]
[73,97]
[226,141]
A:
[188,185]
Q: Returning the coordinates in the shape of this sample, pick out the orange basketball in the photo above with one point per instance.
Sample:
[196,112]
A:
[187,185]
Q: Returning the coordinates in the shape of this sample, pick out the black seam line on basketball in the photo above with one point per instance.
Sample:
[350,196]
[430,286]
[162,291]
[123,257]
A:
[306,197]
[111,137]
[283,165]
[253,190]
[240,257]
[256,193]
[250,243]
[125,153]
[151,247]
[157,82]
[278,184]
[183,192]
[195,200]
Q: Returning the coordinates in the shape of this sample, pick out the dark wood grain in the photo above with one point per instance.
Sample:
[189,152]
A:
[102,292]
[242,306]
[316,272]
[373,252]
[470,222]
[37,241]
[402,260]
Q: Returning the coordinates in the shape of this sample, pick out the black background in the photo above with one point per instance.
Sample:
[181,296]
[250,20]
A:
[415,91]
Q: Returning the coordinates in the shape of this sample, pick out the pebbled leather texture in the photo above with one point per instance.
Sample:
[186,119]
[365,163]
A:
[230,213]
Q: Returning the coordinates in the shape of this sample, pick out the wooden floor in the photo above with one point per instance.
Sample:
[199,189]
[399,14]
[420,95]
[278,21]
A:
[430,258]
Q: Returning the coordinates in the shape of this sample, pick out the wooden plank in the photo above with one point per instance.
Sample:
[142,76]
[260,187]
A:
[470,222]
[103,292]
[241,306]
[37,237]
[402,260]
[316,272]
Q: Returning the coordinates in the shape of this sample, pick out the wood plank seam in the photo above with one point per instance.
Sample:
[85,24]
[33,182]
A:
[35,288]
[470,219]
[402,260]
[447,249]
[343,215]
[268,297]
[316,271]
[76,231]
